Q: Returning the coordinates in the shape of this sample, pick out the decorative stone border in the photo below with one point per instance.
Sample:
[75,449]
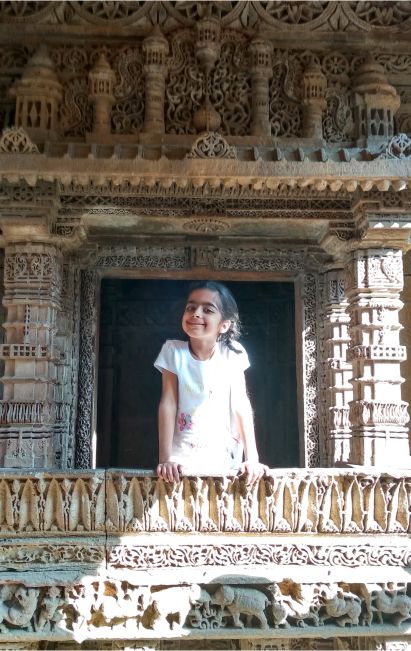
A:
[125,502]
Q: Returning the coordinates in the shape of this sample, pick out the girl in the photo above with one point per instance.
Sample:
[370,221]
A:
[204,392]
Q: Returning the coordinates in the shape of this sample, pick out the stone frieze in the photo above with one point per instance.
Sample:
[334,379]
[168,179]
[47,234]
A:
[98,608]
[297,501]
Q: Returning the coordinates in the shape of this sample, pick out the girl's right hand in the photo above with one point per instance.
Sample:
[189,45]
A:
[169,471]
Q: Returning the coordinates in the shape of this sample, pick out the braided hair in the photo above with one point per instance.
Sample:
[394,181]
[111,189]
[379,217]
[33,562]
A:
[228,308]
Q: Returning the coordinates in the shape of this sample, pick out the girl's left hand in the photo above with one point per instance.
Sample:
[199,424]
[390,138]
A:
[254,471]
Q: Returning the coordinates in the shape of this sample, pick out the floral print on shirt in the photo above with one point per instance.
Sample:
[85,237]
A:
[185,422]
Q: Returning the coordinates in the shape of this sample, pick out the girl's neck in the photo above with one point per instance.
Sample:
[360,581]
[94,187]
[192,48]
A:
[202,350]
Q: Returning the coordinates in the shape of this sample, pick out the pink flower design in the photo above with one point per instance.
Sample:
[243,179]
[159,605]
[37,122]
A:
[185,422]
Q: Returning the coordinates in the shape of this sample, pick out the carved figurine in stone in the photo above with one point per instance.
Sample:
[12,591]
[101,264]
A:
[169,608]
[340,606]
[242,601]
[279,609]
[294,602]
[392,601]
[118,603]
[48,613]
[20,608]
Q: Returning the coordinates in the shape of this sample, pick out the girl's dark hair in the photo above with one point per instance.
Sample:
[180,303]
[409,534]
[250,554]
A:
[228,308]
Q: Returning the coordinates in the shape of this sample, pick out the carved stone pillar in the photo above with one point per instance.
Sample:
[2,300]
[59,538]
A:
[338,371]
[38,95]
[102,79]
[261,73]
[378,415]
[155,50]
[32,405]
[375,103]
[314,102]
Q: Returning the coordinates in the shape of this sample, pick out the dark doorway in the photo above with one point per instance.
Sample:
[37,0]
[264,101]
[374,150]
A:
[137,316]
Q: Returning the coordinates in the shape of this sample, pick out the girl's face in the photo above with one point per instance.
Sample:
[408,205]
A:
[202,318]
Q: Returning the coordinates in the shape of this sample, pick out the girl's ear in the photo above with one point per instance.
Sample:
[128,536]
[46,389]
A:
[225,326]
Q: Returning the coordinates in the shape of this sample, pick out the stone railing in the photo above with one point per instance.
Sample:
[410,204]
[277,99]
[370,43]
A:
[121,555]
[294,501]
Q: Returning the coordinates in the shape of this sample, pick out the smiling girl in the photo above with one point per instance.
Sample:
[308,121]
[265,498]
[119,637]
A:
[204,401]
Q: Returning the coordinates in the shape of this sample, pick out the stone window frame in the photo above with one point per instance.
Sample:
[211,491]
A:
[192,261]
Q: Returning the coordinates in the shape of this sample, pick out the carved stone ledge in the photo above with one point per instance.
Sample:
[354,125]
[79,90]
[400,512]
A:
[398,353]
[295,501]
[32,411]
[32,351]
[363,412]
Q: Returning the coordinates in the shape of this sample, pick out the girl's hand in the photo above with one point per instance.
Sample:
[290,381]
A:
[254,471]
[169,471]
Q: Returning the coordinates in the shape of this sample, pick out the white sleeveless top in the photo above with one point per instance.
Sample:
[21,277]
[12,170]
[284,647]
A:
[203,441]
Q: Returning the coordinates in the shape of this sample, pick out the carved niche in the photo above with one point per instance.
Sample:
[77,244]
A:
[185,258]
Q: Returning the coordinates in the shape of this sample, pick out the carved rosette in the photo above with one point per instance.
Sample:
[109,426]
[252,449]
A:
[378,416]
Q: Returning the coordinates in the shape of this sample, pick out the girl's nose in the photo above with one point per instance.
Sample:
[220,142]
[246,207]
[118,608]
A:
[197,312]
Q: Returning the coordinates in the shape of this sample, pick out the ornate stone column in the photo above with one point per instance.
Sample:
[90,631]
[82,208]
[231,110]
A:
[101,80]
[33,404]
[375,102]
[38,94]
[261,73]
[314,102]
[155,50]
[378,415]
[338,370]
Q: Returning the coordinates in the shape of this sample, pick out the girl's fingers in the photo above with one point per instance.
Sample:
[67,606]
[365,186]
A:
[254,471]
[169,472]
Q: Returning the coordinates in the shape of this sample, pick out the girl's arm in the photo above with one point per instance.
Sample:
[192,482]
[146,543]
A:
[167,411]
[243,413]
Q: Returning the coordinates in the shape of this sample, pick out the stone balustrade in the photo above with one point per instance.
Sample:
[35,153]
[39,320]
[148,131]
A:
[97,555]
[319,501]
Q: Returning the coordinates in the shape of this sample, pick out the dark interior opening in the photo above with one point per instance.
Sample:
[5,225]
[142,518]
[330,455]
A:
[137,316]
